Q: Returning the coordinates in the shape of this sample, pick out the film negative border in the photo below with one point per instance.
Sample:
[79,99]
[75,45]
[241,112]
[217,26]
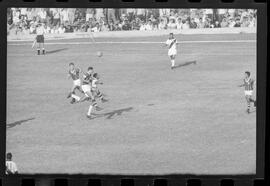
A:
[152,180]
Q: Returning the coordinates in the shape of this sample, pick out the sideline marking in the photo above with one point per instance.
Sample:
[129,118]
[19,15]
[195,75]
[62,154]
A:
[130,42]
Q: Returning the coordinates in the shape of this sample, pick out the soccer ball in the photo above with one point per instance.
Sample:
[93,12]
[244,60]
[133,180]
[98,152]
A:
[99,54]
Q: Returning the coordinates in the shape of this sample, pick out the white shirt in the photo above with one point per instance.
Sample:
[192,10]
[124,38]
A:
[169,42]
[40,30]
[11,166]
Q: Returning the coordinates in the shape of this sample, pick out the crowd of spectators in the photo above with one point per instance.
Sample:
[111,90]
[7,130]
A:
[66,20]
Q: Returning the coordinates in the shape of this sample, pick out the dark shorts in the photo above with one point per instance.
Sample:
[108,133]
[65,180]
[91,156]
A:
[40,39]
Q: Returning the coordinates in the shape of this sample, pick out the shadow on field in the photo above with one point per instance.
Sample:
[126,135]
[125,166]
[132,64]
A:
[14,124]
[109,115]
[55,51]
[186,64]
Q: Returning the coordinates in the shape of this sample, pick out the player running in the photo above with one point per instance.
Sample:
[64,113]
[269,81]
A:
[94,87]
[249,86]
[74,73]
[40,39]
[88,95]
[172,49]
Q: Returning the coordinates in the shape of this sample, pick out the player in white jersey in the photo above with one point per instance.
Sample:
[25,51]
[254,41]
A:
[40,38]
[11,167]
[171,43]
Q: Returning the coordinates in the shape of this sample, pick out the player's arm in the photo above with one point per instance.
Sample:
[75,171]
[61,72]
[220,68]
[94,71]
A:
[241,85]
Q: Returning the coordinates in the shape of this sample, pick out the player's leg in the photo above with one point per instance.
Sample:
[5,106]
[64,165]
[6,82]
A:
[100,96]
[43,48]
[90,109]
[248,103]
[38,48]
[87,93]
[172,61]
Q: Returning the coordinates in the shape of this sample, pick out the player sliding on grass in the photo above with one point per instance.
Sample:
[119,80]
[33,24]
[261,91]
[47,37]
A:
[74,73]
[172,49]
[248,84]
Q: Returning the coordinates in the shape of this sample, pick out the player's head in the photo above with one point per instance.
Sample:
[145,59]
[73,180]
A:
[247,74]
[171,35]
[90,70]
[71,66]
[9,156]
[95,75]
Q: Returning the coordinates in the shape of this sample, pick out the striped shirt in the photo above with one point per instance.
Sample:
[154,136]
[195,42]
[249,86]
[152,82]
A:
[248,84]
[75,74]
[87,78]
[11,167]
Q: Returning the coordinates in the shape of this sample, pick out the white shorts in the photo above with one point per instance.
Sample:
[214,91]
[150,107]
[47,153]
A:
[172,52]
[248,92]
[86,88]
[77,82]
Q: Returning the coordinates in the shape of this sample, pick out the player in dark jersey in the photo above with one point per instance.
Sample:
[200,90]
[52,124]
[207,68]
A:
[249,86]
[86,84]
[74,74]
[86,87]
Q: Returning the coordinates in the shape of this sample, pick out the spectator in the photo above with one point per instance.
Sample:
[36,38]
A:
[162,25]
[11,167]
[172,23]
[224,23]
[185,24]
[42,15]
[96,28]
[179,24]
[111,15]
[201,24]
[193,23]
[237,23]
[61,29]
[216,25]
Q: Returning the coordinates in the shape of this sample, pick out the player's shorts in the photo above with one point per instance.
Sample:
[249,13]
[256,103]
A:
[172,52]
[248,92]
[86,88]
[40,38]
[77,82]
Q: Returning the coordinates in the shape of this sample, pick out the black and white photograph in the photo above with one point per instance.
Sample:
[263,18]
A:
[132,91]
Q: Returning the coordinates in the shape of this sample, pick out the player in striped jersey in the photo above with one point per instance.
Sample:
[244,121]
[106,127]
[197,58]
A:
[94,88]
[172,49]
[86,88]
[249,86]
[74,74]
[11,167]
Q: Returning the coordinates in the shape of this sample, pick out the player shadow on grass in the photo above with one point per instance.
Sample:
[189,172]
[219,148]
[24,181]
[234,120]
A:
[14,124]
[109,115]
[186,64]
[55,51]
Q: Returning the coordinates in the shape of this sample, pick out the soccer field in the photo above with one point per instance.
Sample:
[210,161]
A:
[189,120]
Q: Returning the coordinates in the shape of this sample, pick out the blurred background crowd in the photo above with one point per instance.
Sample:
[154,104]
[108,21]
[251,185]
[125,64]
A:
[66,20]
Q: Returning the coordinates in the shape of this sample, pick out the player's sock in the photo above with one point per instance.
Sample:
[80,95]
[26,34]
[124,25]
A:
[38,51]
[77,98]
[173,62]
[43,51]
[89,110]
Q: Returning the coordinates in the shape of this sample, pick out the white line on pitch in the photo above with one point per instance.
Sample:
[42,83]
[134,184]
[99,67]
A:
[133,42]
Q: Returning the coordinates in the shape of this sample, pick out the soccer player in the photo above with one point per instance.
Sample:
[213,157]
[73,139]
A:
[74,73]
[11,167]
[171,43]
[94,88]
[249,86]
[40,38]
[86,84]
